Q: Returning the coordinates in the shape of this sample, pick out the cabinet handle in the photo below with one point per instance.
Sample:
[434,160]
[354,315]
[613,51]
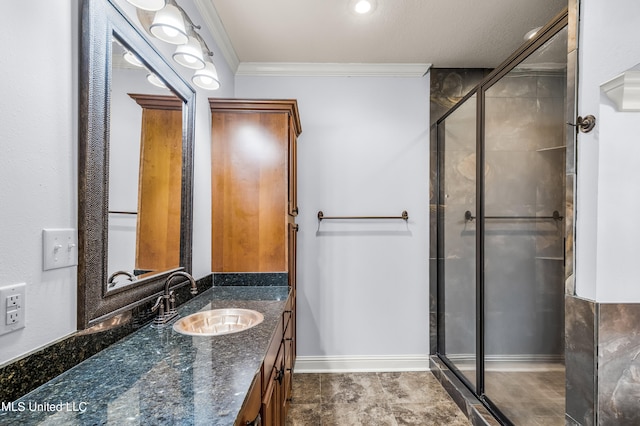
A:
[295,211]
[280,375]
[288,339]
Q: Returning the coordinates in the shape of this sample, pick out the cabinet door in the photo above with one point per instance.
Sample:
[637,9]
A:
[293,169]
[288,367]
[249,191]
[252,403]
[270,403]
[160,191]
[292,243]
[273,400]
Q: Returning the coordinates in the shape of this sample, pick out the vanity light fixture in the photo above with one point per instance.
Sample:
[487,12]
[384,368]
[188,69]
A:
[150,5]
[207,77]
[190,54]
[168,25]
[156,81]
[132,59]
[173,25]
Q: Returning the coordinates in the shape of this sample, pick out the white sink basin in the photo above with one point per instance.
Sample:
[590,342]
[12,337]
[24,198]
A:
[218,321]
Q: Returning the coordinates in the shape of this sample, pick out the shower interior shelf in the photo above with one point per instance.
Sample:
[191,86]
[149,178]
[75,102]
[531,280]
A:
[551,148]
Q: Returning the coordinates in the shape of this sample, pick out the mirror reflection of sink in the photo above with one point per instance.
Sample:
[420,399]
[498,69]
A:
[218,321]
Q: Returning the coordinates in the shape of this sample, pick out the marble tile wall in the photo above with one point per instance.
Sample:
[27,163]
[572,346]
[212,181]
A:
[602,363]
[618,339]
[580,360]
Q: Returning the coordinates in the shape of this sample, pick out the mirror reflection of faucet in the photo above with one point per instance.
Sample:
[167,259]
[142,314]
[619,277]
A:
[112,278]
[166,303]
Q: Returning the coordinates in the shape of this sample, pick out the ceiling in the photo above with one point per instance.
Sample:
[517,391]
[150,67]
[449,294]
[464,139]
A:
[442,33]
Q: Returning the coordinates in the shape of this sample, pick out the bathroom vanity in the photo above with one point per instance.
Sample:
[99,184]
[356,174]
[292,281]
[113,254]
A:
[162,377]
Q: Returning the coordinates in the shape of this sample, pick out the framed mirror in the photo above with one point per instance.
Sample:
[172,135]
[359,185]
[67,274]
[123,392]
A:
[135,167]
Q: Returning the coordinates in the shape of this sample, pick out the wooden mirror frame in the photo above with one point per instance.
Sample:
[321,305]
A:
[100,20]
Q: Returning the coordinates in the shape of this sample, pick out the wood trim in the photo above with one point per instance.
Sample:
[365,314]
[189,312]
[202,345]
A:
[165,102]
[259,105]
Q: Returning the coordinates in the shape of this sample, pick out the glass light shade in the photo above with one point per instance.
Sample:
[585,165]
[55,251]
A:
[168,25]
[151,5]
[132,59]
[190,55]
[207,77]
[156,81]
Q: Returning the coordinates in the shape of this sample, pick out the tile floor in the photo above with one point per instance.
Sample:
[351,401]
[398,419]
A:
[529,398]
[380,399]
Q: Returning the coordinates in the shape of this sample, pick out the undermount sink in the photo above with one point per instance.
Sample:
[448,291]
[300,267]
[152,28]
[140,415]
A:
[218,321]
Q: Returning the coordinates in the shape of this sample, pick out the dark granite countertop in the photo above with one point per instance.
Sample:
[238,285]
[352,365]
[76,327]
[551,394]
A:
[160,377]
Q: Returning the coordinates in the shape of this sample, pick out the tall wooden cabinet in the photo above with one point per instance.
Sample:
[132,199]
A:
[160,183]
[253,161]
[253,210]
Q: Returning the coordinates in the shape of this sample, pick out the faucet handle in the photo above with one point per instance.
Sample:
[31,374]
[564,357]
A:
[158,304]
[172,301]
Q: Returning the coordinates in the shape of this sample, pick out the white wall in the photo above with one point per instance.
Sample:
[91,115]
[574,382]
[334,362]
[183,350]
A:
[364,150]
[38,163]
[607,231]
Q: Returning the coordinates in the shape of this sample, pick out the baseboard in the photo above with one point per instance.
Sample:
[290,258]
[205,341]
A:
[364,363]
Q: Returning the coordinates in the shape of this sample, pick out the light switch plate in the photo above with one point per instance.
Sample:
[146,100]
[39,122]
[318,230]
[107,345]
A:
[12,308]
[59,248]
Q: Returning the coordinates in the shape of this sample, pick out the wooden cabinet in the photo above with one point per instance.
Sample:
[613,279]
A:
[267,402]
[277,371]
[159,183]
[254,185]
[250,413]
[253,210]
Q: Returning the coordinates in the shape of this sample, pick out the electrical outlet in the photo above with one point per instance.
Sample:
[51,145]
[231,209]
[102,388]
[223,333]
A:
[13,301]
[12,317]
[13,310]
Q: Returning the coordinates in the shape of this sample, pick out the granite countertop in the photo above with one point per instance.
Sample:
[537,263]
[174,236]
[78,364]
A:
[160,377]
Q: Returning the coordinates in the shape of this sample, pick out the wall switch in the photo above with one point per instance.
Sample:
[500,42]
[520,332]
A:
[12,311]
[59,248]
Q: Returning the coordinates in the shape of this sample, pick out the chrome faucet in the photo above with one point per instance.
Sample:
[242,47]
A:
[166,303]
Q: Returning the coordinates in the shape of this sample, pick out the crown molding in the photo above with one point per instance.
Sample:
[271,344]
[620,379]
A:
[331,69]
[624,91]
[211,19]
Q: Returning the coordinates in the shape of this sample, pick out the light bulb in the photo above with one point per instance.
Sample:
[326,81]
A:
[363,6]
[171,32]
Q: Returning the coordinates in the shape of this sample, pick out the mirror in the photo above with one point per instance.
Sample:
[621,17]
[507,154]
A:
[145,163]
[135,167]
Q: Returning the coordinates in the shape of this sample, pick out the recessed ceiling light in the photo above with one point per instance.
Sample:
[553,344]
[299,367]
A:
[363,7]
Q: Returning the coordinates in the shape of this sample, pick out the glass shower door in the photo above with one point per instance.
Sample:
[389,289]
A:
[523,278]
[457,249]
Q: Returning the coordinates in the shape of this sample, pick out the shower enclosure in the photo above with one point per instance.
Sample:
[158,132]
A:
[501,202]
